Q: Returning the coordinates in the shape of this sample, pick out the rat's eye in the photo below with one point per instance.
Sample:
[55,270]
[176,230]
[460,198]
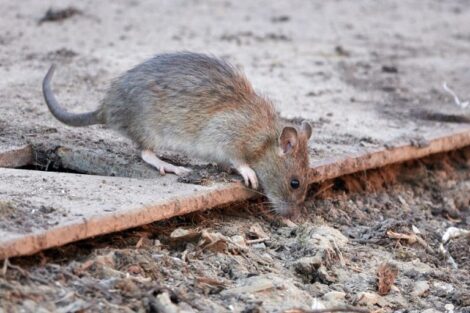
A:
[295,183]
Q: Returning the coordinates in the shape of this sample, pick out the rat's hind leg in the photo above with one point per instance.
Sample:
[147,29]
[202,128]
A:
[149,157]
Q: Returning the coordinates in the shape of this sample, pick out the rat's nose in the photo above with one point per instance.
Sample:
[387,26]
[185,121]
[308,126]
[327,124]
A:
[294,213]
[290,210]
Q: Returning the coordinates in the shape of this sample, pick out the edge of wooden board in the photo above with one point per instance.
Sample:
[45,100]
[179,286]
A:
[328,169]
[16,156]
[30,243]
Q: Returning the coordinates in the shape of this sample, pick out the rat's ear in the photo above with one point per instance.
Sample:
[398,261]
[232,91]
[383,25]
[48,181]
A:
[288,139]
[306,128]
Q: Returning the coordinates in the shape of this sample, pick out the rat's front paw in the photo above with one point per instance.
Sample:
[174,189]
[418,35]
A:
[249,176]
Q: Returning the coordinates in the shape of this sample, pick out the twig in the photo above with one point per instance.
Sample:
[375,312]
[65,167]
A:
[26,274]
[253,241]
[5,267]
[322,190]
[422,242]
[340,254]
[461,104]
[7,264]
[411,238]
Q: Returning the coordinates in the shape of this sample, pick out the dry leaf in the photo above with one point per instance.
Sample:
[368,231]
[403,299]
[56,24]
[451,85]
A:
[215,242]
[386,274]
[181,236]
[217,246]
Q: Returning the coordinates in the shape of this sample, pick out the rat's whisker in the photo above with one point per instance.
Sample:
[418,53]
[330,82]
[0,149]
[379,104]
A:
[254,190]
[272,210]
[268,202]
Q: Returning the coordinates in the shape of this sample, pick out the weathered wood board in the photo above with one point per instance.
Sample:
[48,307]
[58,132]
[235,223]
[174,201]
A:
[46,209]
[15,156]
[40,209]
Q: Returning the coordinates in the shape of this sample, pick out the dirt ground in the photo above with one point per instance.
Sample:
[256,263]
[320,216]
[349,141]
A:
[244,259]
[363,72]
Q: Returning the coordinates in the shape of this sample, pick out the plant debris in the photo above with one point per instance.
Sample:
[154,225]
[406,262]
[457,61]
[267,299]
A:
[461,104]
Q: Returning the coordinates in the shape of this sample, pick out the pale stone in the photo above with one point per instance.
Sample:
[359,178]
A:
[420,288]
[334,298]
[367,298]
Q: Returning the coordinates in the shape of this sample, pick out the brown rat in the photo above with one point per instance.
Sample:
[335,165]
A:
[203,107]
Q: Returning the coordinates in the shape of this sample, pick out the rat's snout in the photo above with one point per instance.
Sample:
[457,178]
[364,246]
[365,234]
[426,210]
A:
[288,210]
[288,206]
[294,214]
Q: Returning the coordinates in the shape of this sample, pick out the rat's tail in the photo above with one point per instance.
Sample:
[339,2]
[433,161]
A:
[72,119]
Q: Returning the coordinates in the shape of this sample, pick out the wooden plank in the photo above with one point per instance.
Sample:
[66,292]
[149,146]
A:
[87,206]
[63,207]
[375,158]
[15,156]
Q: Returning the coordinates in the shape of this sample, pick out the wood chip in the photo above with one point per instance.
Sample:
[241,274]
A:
[411,238]
[181,236]
[256,232]
[16,156]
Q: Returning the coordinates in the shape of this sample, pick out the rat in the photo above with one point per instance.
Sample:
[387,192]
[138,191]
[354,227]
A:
[204,107]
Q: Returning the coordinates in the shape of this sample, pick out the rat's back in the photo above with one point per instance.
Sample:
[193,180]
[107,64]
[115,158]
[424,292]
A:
[177,99]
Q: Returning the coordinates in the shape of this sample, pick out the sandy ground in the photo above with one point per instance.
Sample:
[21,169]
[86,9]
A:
[357,70]
[354,69]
